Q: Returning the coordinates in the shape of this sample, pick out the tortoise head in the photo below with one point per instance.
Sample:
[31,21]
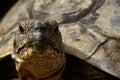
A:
[35,31]
[38,49]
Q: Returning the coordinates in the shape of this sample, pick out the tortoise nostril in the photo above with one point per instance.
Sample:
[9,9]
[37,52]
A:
[40,26]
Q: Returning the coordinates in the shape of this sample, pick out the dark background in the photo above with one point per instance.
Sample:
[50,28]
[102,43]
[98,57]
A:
[5,5]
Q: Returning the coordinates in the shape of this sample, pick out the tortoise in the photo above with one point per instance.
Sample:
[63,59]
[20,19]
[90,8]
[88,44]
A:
[85,35]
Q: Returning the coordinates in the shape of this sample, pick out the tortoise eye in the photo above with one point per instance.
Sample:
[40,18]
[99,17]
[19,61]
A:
[56,30]
[21,29]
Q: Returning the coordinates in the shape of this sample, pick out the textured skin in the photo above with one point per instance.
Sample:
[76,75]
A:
[38,51]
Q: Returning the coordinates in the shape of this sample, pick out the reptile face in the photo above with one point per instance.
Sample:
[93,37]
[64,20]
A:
[38,50]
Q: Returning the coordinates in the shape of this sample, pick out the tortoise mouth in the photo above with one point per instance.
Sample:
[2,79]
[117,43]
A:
[38,45]
[37,48]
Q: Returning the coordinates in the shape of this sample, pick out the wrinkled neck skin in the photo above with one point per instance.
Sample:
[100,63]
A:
[39,62]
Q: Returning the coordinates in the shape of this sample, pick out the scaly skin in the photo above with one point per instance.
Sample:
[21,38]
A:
[38,50]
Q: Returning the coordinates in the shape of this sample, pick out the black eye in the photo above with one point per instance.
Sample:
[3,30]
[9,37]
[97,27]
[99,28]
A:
[56,31]
[21,29]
